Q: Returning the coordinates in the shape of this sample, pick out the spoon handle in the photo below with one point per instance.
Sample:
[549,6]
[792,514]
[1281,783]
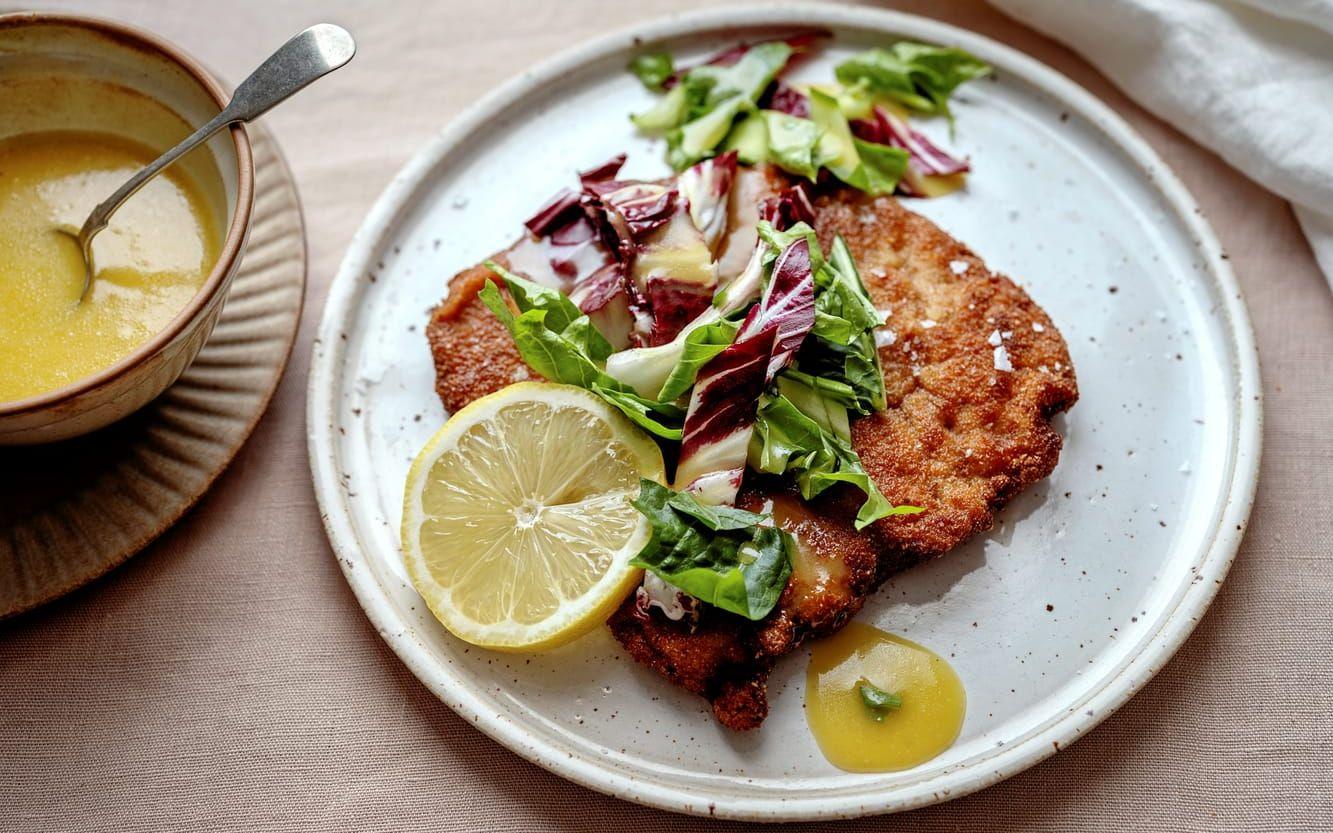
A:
[312,54]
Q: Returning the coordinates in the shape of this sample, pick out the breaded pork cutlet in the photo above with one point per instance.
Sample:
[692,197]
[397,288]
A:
[974,372]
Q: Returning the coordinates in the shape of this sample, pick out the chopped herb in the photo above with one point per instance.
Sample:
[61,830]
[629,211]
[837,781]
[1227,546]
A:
[653,69]
[878,701]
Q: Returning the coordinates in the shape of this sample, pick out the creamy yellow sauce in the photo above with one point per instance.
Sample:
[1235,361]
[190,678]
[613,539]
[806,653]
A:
[848,732]
[150,260]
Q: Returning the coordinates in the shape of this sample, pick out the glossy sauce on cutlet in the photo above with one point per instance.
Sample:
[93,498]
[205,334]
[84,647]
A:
[814,575]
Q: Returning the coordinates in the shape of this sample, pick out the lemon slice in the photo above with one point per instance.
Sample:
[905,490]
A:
[517,523]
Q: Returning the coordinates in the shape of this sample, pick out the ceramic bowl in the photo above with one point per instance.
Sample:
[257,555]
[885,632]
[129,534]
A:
[34,45]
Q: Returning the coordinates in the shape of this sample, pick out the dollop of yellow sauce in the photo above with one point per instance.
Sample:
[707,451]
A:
[857,738]
[150,260]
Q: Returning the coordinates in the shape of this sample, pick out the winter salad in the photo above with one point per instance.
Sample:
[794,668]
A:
[715,410]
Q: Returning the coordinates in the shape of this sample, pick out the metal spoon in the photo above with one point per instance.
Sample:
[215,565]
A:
[312,54]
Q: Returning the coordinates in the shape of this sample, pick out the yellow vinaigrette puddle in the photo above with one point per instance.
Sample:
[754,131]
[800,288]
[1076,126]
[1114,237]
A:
[857,738]
[150,260]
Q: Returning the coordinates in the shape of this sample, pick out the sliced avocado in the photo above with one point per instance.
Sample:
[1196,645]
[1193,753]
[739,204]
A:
[854,101]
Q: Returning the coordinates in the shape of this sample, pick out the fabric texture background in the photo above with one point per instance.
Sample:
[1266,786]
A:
[1250,79]
[225,679]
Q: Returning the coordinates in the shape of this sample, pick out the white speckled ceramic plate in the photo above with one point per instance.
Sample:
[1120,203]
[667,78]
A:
[1086,586]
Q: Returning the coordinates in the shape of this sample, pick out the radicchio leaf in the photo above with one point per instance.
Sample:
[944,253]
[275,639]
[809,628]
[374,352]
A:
[647,369]
[573,233]
[789,100]
[606,170]
[566,237]
[722,408]
[721,417]
[788,304]
[675,304]
[924,157]
[788,208]
[642,206]
[604,297]
[706,187]
[559,211]
[674,603]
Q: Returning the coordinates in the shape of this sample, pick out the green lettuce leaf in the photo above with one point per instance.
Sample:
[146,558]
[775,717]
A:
[562,315]
[749,138]
[779,240]
[646,413]
[695,140]
[826,401]
[652,68]
[747,78]
[842,343]
[671,110]
[881,167]
[918,75]
[561,344]
[855,365]
[701,345]
[844,296]
[843,347]
[788,441]
[697,114]
[837,150]
[791,143]
[727,557]
[865,166]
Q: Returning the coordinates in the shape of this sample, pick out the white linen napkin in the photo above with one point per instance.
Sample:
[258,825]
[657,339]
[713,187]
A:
[1250,79]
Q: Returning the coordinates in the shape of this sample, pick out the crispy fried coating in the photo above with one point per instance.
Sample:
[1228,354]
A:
[473,352]
[974,371]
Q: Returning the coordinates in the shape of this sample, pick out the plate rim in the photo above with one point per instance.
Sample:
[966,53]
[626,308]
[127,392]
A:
[1216,553]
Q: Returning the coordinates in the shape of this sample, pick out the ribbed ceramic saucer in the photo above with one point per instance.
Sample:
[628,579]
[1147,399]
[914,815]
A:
[70,512]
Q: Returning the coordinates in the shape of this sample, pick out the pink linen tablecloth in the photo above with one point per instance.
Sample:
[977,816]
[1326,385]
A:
[226,679]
